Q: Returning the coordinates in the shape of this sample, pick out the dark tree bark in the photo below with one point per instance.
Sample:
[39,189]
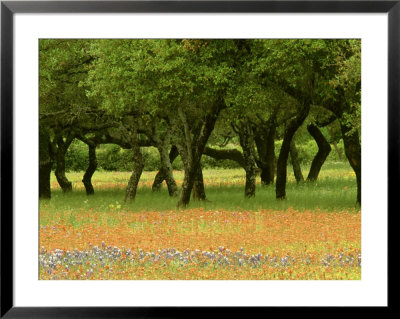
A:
[247,144]
[352,148]
[294,156]
[158,180]
[45,163]
[233,155]
[87,177]
[198,186]
[265,142]
[138,165]
[44,180]
[161,174]
[323,151]
[115,136]
[268,172]
[334,140]
[62,148]
[167,169]
[187,186]
[290,130]
[193,147]
[351,140]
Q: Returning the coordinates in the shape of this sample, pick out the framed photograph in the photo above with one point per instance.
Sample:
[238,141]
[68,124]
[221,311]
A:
[163,155]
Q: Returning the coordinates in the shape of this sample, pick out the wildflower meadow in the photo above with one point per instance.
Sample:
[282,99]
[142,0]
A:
[101,237]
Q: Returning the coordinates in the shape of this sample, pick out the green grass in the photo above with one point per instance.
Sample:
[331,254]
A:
[334,190]
[152,223]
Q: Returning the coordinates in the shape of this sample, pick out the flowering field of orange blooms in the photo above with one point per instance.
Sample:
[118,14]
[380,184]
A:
[197,244]
[90,238]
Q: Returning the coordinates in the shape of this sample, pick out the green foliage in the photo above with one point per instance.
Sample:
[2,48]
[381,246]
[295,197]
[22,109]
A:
[77,157]
[157,76]
[111,157]
[137,87]
[63,65]
[208,162]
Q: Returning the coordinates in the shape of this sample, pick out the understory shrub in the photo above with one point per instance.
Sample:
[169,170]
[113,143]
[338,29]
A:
[111,157]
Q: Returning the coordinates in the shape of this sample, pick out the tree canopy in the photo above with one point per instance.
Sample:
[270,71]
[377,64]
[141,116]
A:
[186,96]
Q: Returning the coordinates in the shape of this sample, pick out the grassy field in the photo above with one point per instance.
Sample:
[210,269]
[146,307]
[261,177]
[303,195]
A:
[314,234]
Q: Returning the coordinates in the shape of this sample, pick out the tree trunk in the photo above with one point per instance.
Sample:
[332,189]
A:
[45,163]
[352,148]
[323,151]
[158,180]
[138,165]
[338,150]
[62,148]
[193,149]
[246,142]
[281,174]
[268,169]
[233,155]
[187,186]
[161,175]
[268,173]
[265,143]
[294,156]
[44,180]
[167,169]
[351,141]
[198,185]
[334,141]
[87,177]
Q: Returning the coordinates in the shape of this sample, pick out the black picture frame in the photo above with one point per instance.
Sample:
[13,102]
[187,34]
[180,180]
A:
[9,8]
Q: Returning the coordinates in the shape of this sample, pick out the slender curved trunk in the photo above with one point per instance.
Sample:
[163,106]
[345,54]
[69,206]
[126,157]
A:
[351,139]
[281,174]
[87,177]
[233,155]
[192,149]
[138,165]
[323,151]
[167,169]
[247,144]
[62,180]
[294,156]
[162,174]
[352,148]
[198,185]
[62,148]
[45,164]
[338,151]
[158,180]
[334,143]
